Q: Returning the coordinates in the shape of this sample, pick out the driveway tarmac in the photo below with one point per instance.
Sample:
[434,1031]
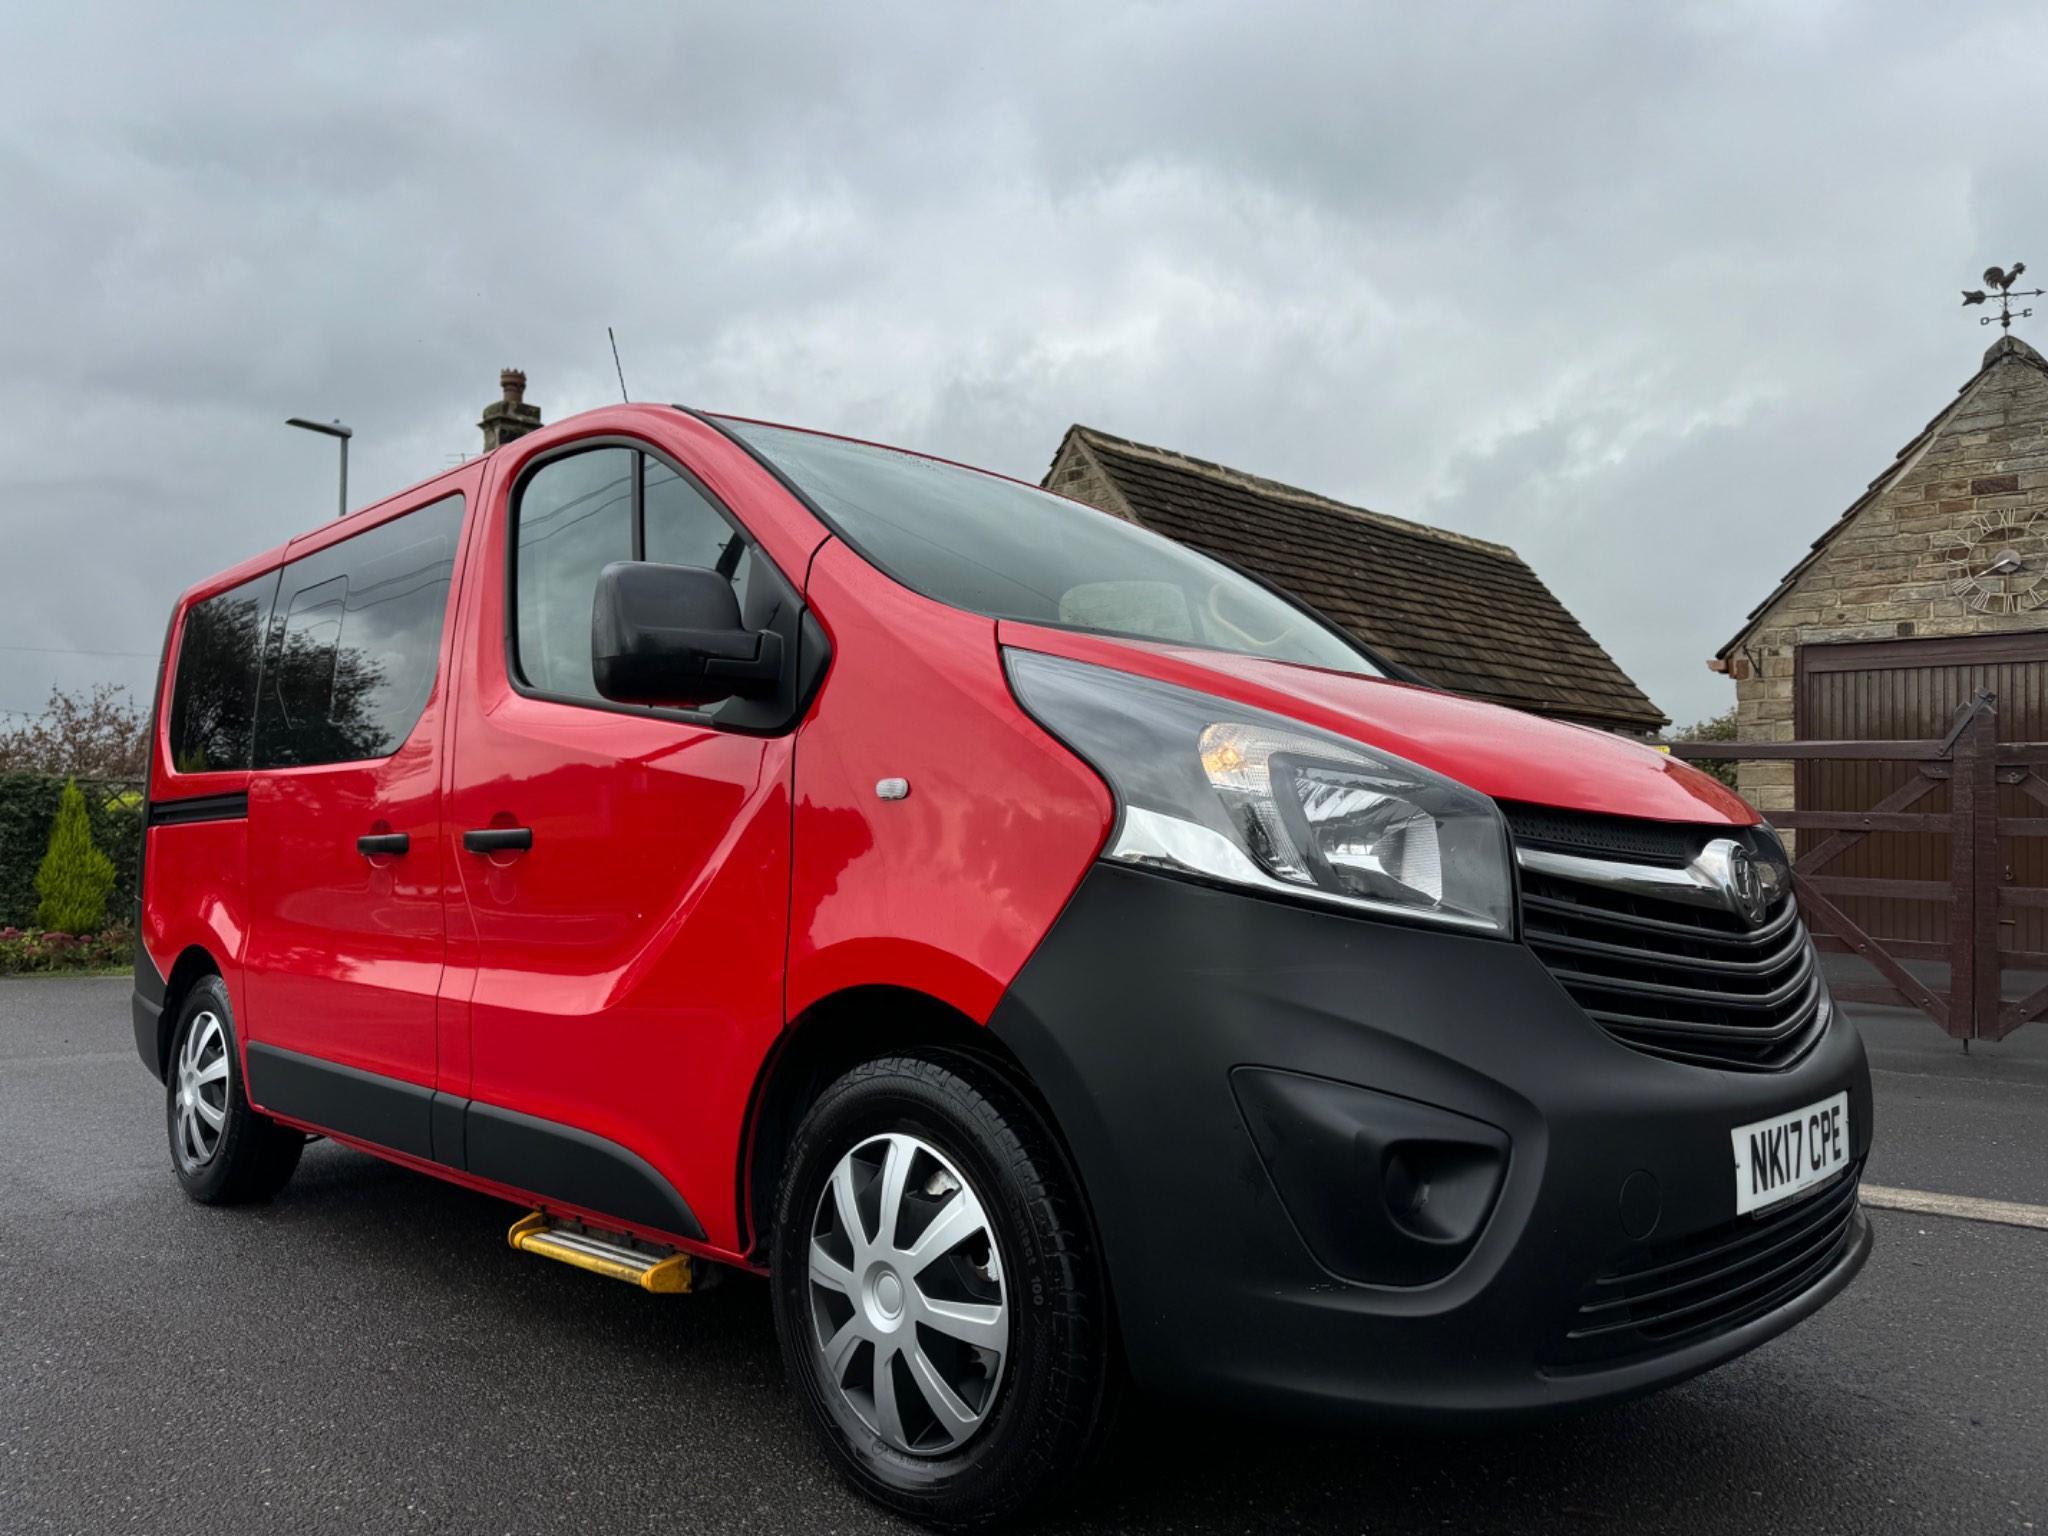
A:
[367,1355]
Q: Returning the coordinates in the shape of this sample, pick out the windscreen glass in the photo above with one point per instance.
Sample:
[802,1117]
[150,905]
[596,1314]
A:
[999,548]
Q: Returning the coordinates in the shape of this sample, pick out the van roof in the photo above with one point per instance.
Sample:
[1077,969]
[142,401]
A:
[358,517]
[349,522]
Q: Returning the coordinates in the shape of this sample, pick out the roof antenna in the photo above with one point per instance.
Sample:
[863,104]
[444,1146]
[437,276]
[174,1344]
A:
[615,363]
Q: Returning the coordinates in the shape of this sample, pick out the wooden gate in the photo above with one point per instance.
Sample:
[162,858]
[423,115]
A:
[1911,690]
[1976,803]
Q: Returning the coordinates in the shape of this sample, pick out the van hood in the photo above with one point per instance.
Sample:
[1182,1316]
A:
[1500,752]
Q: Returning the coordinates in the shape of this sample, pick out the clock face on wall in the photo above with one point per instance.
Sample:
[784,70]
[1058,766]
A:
[2000,562]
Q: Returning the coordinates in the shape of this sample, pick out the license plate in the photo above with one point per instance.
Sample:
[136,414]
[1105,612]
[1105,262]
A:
[1777,1158]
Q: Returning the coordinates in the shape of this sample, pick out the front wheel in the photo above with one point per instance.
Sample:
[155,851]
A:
[940,1304]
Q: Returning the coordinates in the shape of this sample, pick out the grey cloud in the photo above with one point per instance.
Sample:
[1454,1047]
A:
[1646,291]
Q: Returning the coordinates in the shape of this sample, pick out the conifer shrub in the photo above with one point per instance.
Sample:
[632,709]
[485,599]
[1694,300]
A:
[75,878]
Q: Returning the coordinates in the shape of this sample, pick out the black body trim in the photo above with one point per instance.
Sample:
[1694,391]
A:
[541,1157]
[233,806]
[1423,1181]
[1438,1156]
[346,1100]
[574,1166]
[448,1117]
[146,1010]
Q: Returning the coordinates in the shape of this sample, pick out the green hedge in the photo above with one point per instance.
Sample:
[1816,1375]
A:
[28,809]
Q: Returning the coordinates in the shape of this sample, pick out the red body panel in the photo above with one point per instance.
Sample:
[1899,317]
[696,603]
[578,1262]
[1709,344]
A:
[948,890]
[625,973]
[1499,752]
[629,966]
[345,951]
[198,874]
[335,936]
[198,894]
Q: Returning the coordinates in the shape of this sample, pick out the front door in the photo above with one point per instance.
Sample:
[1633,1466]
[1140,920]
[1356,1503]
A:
[345,851]
[624,872]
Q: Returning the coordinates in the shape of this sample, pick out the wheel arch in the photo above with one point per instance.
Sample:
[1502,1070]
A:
[193,963]
[835,1033]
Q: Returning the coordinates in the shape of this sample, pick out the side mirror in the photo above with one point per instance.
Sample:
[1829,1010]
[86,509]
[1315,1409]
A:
[671,634]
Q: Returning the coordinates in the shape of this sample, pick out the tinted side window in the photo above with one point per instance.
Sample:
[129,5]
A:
[213,701]
[575,518]
[577,515]
[356,641]
[299,670]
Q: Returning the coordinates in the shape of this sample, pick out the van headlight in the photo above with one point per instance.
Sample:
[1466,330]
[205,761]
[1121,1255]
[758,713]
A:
[1210,789]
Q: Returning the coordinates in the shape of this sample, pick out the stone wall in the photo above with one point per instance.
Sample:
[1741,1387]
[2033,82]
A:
[1077,473]
[1908,561]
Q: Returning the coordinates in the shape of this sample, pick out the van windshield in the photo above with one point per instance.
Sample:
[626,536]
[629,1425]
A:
[995,547]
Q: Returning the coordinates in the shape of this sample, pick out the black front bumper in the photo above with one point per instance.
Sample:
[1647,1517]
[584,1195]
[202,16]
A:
[1337,1162]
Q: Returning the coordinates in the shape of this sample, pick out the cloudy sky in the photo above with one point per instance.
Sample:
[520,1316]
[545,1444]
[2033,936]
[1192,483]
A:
[1647,291]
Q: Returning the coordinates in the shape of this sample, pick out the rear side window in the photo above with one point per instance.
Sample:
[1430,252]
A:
[578,514]
[355,641]
[213,701]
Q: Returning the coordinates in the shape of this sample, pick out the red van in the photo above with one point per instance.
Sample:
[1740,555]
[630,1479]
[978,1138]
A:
[1049,956]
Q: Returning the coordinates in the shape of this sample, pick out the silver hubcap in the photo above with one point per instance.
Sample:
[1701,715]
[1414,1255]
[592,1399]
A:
[200,1092]
[907,1296]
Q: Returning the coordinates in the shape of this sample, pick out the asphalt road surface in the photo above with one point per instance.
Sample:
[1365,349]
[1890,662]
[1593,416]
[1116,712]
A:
[366,1355]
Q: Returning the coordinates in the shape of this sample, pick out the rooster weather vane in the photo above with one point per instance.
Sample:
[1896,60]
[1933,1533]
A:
[1998,280]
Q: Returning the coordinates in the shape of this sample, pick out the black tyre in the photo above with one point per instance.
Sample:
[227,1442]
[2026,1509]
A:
[942,1310]
[223,1152]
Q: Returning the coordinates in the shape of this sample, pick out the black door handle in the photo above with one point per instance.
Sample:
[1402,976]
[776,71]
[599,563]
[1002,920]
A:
[384,842]
[498,839]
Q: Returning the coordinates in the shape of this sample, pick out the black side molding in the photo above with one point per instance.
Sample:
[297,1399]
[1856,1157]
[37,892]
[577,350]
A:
[172,813]
[449,1116]
[542,1157]
[574,1166]
[367,1105]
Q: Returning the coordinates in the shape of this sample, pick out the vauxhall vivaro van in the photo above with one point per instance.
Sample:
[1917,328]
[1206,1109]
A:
[1048,955]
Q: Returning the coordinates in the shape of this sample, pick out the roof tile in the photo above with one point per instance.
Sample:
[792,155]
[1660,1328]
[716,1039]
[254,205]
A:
[1466,614]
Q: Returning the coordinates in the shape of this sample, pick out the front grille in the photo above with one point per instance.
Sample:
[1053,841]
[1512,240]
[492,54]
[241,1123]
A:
[1604,837]
[1674,978]
[1715,1280]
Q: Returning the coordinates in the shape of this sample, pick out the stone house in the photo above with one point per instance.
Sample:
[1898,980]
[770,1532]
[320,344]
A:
[1465,614]
[1931,586]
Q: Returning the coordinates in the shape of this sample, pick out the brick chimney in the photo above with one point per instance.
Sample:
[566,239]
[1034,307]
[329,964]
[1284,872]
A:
[509,417]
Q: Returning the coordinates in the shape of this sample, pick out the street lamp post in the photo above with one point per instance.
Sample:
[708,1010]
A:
[333,429]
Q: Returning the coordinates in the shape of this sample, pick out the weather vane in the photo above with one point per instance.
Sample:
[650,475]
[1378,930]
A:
[1999,280]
